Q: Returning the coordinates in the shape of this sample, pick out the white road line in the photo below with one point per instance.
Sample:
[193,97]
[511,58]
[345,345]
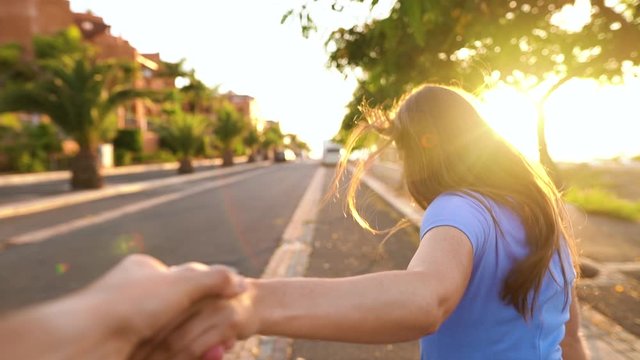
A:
[306,212]
[47,233]
[290,259]
[62,200]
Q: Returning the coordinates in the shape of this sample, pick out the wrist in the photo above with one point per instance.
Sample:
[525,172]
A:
[101,324]
[269,312]
[257,314]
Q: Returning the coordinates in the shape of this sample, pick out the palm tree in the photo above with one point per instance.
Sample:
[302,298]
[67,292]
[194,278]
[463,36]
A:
[250,140]
[172,70]
[184,133]
[197,96]
[227,130]
[295,144]
[78,93]
[273,139]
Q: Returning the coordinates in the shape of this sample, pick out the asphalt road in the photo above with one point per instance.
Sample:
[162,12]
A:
[14,193]
[239,224]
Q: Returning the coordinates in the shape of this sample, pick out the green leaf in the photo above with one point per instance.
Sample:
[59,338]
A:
[413,11]
[286,16]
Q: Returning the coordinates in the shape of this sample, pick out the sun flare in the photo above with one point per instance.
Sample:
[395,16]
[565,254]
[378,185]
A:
[585,120]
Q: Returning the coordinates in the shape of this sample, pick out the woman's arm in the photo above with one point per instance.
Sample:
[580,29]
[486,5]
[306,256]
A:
[383,307]
[572,344]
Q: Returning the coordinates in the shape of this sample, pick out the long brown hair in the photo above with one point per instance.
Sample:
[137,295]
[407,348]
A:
[446,146]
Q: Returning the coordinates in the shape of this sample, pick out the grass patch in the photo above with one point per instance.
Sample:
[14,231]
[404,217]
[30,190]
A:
[600,201]
[585,177]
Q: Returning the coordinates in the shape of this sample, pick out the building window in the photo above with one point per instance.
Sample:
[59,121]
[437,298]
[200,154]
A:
[147,73]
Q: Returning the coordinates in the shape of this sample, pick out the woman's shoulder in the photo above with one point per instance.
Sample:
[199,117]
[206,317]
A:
[467,211]
[462,198]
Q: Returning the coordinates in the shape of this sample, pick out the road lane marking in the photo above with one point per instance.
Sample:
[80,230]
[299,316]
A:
[62,200]
[61,229]
[289,260]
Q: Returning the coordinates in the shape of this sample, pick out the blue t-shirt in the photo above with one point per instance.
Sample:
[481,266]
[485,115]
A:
[482,326]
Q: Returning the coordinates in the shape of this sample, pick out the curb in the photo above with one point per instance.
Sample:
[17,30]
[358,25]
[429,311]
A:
[62,200]
[35,178]
[289,260]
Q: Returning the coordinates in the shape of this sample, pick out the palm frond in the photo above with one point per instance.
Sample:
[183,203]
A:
[185,133]
[25,98]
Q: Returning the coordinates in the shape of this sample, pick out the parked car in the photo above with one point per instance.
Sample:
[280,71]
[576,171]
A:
[279,156]
[284,155]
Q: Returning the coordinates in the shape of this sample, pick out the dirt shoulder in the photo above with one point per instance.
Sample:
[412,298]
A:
[342,248]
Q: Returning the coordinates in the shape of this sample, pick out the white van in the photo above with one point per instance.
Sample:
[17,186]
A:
[331,153]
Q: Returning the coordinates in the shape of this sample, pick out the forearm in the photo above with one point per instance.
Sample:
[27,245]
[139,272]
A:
[74,327]
[574,349]
[375,308]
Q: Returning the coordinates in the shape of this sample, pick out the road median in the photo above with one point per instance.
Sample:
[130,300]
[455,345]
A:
[73,198]
[36,178]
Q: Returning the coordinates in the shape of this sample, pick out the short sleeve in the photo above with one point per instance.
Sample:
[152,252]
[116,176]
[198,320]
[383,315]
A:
[462,212]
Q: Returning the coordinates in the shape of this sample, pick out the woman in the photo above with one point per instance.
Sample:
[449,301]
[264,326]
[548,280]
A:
[492,277]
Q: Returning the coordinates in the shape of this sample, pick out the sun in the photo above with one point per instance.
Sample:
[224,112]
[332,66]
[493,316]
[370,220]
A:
[512,114]
[585,120]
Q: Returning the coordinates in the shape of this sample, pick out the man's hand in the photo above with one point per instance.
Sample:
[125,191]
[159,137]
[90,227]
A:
[127,307]
[144,295]
[214,321]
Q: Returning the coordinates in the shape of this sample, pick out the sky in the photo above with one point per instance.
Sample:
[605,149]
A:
[241,46]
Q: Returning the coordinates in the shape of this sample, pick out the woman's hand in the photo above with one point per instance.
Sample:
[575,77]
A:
[214,322]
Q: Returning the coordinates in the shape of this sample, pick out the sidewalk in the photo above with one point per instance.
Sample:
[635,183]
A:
[342,248]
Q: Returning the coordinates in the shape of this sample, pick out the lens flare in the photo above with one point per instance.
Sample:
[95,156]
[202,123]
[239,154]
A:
[129,243]
[62,268]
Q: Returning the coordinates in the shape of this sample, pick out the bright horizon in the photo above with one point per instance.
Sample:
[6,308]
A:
[242,46]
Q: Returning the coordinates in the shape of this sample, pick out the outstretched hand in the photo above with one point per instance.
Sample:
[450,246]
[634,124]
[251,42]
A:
[120,314]
[150,295]
[155,298]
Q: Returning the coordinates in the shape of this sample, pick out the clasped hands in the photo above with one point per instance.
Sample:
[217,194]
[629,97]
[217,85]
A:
[190,311]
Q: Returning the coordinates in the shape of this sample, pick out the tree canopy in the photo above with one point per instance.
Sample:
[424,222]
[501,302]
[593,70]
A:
[65,81]
[470,43]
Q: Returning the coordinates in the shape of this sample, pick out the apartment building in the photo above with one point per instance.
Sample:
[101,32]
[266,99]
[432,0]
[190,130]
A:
[21,20]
